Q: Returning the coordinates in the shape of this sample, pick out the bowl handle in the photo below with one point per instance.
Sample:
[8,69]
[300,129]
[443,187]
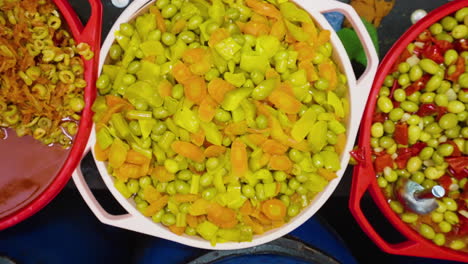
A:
[125,221]
[366,79]
[362,182]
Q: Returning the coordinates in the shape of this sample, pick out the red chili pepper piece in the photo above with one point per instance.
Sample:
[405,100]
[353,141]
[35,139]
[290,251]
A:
[427,109]
[379,117]
[395,86]
[460,68]
[401,133]
[462,228]
[433,52]
[458,166]
[456,151]
[445,181]
[402,58]
[358,154]
[460,45]
[383,161]
[404,154]
[418,85]
[441,110]
[444,45]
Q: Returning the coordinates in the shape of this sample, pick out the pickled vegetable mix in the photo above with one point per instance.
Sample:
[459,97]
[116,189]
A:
[419,129]
[221,119]
[41,73]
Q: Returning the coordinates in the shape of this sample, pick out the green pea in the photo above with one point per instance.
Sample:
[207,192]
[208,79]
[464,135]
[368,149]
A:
[280,176]
[426,153]
[436,28]
[160,113]
[463,80]
[389,126]
[427,97]
[261,121]
[434,83]
[222,115]
[457,244]
[134,127]
[444,36]
[184,175]
[429,66]
[134,67]
[451,217]
[386,142]
[437,217]
[145,181]
[399,95]
[115,51]
[413,120]
[171,165]
[377,130]
[162,3]
[441,99]
[427,231]
[403,79]
[141,206]
[182,187]
[385,104]
[418,177]
[210,193]
[212,163]
[103,81]
[445,227]
[450,57]
[455,107]
[170,189]
[296,155]
[321,84]
[187,36]
[133,185]
[293,184]
[128,79]
[409,106]
[404,67]
[414,97]
[126,29]
[384,91]
[464,132]
[448,23]
[190,231]
[194,22]
[168,38]
[453,132]
[415,73]
[168,219]
[212,74]
[448,121]
[433,173]
[390,175]
[409,218]
[158,216]
[439,239]
[382,182]
[450,203]
[169,11]
[293,210]
[396,206]
[414,164]
[460,31]
[433,128]
[445,150]
[206,179]
[414,133]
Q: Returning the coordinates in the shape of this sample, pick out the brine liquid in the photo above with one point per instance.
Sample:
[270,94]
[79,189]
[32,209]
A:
[27,167]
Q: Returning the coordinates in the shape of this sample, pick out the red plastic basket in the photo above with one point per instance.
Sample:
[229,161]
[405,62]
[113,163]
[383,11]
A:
[91,34]
[364,179]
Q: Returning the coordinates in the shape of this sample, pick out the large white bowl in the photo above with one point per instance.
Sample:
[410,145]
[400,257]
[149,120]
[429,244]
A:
[358,94]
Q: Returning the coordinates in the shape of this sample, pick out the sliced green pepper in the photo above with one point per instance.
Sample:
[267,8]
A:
[187,119]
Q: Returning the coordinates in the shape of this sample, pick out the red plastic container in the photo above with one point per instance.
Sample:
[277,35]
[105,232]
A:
[364,179]
[91,34]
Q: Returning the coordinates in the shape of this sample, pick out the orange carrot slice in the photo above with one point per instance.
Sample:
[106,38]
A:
[341,143]
[214,151]
[177,230]
[274,209]
[263,8]
[256,139]
[100,154]
[207,109]
[156,206]
[218,88]
[178,26]
[278,29]
[217,36]
[239,159]
[327,174]
[195,89]
[234,129]
[161,25]
[256,28]
[274,147]
[285,102]
[181,73]
[136,157]
[192,221]
[328,72]
[185,198]
[161,174]
[198,138]
[280,162]
[188,150]
[165,88]
[221,216]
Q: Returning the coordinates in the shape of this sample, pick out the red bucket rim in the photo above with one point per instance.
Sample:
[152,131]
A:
[364,137]
[84,129]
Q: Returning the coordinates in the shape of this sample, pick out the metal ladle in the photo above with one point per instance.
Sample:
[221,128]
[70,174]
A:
[418,199]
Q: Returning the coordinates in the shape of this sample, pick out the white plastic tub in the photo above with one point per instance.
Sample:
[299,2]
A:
[358,94]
